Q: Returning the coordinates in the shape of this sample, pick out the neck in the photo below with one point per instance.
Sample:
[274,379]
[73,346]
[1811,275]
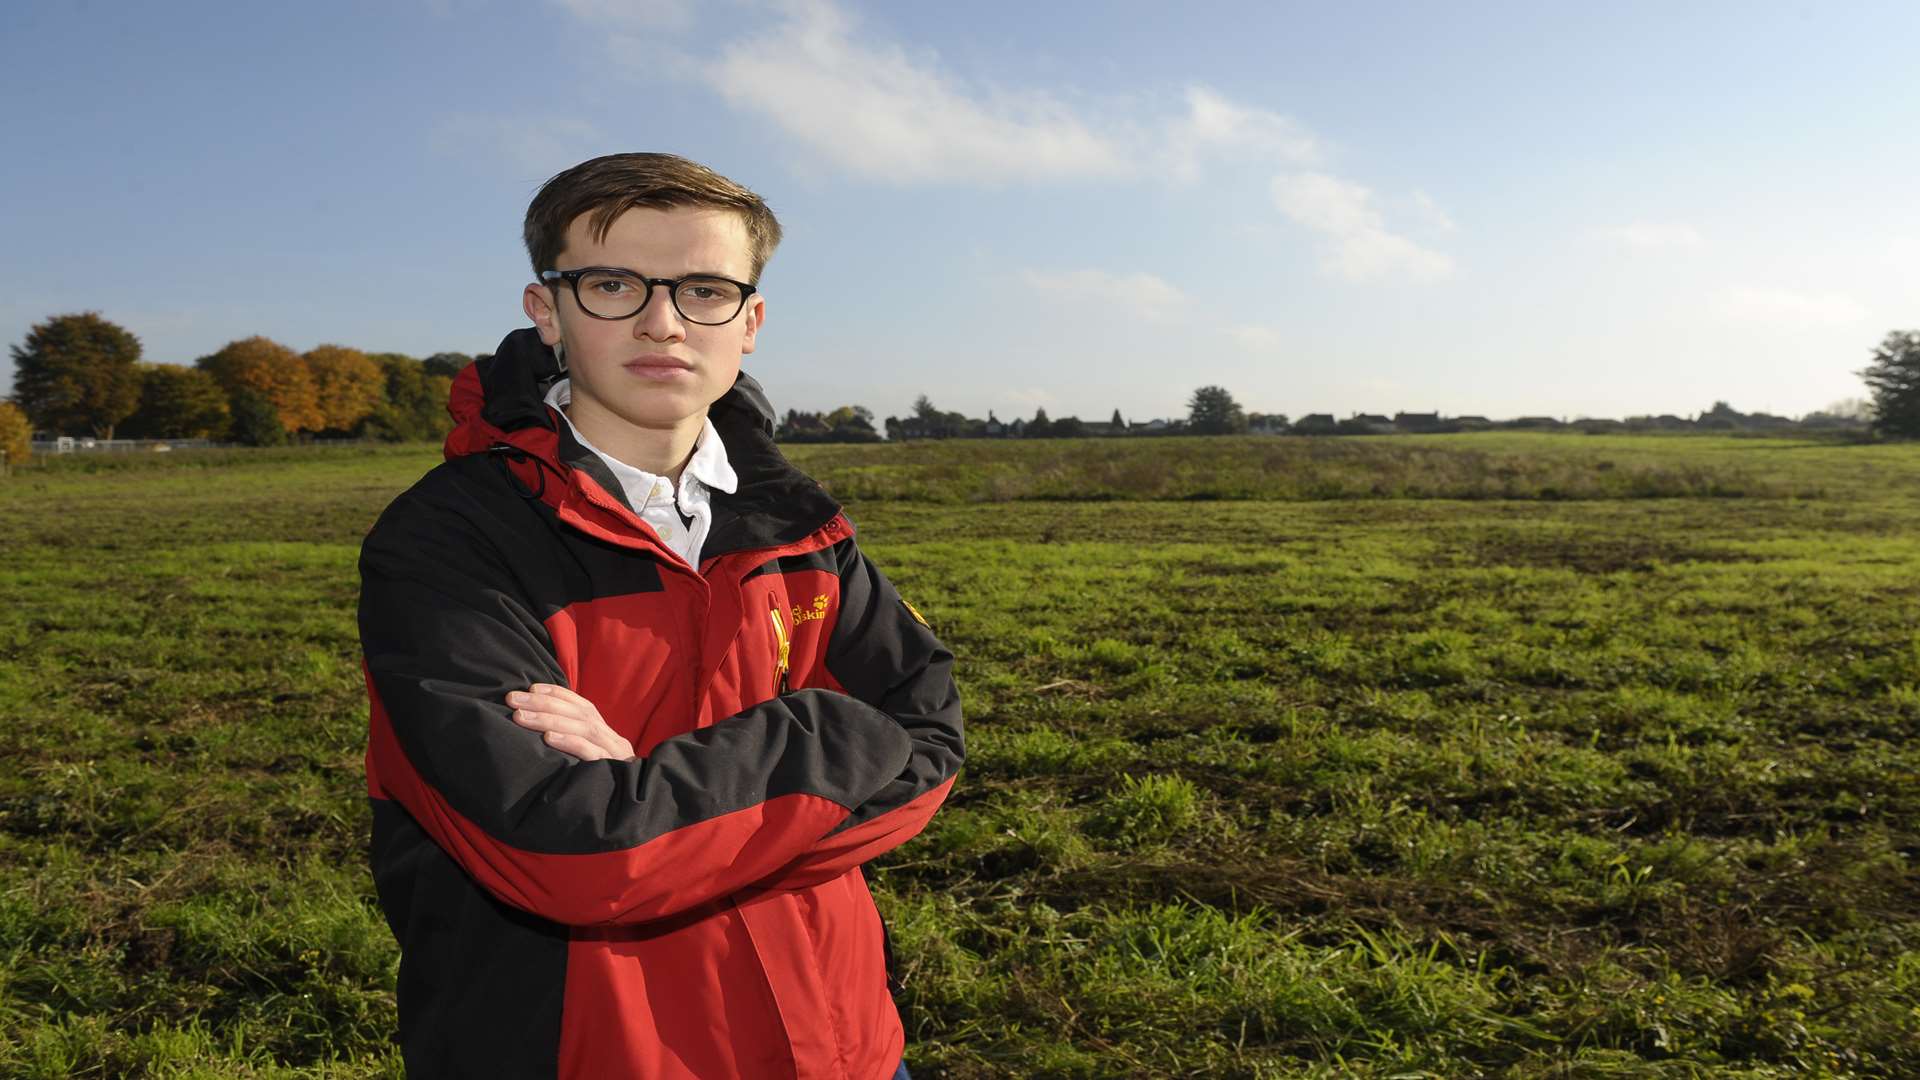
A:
[662,451]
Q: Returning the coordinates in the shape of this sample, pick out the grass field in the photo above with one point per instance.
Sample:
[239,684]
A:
[1503,755]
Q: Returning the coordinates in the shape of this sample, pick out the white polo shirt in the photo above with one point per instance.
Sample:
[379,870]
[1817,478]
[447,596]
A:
[682,517]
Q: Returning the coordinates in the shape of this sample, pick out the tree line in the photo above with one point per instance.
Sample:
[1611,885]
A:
[81,374]
[1892,377]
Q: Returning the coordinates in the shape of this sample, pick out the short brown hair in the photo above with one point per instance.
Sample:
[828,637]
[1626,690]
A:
[611,185]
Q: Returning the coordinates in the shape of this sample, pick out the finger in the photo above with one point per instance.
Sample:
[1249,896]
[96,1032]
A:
[550,721]
[566,700]
[557,691]
[606,739]
[584,749]
[533,699]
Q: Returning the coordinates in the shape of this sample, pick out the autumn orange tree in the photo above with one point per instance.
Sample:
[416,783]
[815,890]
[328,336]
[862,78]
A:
[348,385]
[273,373]
[16,434]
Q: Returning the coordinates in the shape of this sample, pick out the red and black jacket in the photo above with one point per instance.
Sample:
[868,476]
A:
[698,911]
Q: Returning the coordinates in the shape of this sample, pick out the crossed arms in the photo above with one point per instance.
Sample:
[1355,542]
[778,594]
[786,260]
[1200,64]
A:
[552,813]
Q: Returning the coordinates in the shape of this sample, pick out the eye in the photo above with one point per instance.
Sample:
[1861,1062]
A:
[608,285]
[708,291]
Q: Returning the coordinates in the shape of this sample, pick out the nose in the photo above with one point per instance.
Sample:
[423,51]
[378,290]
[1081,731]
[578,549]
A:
[659,320]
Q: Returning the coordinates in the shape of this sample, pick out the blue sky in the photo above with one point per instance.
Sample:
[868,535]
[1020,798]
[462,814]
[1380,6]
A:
[1490,208]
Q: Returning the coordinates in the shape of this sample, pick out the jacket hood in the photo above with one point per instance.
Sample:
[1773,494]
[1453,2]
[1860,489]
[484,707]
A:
[498,404]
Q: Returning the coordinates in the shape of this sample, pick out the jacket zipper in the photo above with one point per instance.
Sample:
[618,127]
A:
[780,635]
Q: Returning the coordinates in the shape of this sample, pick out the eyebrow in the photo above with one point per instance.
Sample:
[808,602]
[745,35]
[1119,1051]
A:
[638,274]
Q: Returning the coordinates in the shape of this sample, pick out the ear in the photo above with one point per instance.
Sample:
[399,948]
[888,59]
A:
[755,315]
[537,301]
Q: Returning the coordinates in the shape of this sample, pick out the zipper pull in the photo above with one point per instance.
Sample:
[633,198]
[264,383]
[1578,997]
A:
[786,647]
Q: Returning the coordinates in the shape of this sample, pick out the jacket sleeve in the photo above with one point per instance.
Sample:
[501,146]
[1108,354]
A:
[883,654]
[447,632]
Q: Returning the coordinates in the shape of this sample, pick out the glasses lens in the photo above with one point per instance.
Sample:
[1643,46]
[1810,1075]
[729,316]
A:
[611,294]
[708,300]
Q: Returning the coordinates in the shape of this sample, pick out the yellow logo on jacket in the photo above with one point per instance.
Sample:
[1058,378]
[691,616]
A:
[808,614]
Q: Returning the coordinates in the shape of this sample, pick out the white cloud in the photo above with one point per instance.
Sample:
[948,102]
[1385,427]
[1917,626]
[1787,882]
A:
[1214,124]
[1785,308]
[541,143]
[1028,396]
[1360,247]
[1256,338]
[1430,210]
[1651,236]
[873,109]
[1145,295]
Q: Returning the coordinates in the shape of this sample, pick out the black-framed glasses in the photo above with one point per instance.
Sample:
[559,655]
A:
[607,292]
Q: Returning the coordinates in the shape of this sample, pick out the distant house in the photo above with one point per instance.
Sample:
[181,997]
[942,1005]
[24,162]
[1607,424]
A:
[1536,423]
[1267,424]
[915,428]
[1100,427]
[1471,423]
[1666,422]
[1017,428]
[1832,421]
[1366,424]
[1316,424]
[994,428]
[1424,423]
[1147,427]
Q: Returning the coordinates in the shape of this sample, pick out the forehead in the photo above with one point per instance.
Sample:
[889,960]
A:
[664,243]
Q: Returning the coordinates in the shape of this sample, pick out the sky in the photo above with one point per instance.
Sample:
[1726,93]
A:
[1487,208]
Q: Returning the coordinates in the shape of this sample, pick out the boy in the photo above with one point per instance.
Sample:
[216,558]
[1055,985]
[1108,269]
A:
[640,707]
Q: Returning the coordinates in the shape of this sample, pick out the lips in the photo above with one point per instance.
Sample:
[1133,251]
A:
[657,362]
[659,366]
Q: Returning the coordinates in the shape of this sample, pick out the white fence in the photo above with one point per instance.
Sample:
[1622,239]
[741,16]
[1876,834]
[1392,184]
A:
[68,444]
[80,444]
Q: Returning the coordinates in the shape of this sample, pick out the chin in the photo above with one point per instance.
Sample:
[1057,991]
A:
[658,417]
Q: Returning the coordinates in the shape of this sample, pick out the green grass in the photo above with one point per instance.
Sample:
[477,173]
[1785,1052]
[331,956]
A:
[1541,772]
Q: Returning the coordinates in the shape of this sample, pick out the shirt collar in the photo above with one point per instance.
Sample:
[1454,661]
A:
[709,463]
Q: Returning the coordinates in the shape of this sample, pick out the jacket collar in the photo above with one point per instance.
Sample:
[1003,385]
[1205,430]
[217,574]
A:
[499,401]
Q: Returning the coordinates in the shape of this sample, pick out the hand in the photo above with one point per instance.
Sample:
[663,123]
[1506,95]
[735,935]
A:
[569,722]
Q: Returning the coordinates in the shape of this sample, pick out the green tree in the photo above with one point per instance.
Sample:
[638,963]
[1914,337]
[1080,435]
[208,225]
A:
[1117,423]
[447,363]
[801,427]
[1039,427]
[255,420]
[415,403]
[1894,378]
[76,373]
[1214,412]
[178,403]
[852,423]
[16,435]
